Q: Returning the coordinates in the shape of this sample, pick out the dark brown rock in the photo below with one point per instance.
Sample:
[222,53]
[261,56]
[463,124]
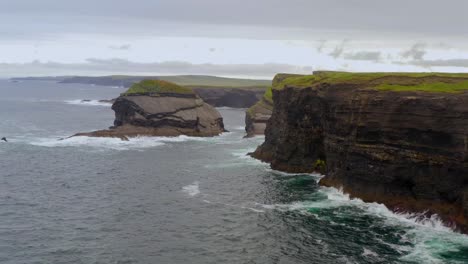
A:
[162,115]
[407,150]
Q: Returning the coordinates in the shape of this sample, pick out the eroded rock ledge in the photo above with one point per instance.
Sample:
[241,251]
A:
[158,108]
[393,139]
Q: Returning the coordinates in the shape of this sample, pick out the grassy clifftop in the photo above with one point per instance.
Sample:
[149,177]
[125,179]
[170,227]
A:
[157,86]
[425,82]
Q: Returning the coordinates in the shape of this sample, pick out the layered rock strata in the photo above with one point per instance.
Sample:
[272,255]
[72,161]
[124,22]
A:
[396,139]
[161,112]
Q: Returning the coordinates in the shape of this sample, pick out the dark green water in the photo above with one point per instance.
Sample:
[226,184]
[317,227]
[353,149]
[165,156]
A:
[177,200]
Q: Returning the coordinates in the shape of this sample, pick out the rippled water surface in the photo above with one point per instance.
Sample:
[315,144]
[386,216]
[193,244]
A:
[176,200]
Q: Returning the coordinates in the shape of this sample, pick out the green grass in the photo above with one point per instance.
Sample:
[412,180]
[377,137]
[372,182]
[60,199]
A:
[157,86]
[233,87]
[268,96]
[426,82]
[437,87]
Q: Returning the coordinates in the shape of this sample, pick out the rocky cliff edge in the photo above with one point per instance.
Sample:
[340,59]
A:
[392,138]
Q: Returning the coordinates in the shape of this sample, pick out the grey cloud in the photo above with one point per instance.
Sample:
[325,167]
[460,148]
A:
[429,17]
[321,46]
[121,47]
[94,66]
[338,51]
[463,63]
[416,52]
[364,56]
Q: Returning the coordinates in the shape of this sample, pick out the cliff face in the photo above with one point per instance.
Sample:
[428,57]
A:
[406,149]
[256,118]
[167,111]
[230,97]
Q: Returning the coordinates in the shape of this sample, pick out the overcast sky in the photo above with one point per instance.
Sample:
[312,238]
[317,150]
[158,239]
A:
[254,38]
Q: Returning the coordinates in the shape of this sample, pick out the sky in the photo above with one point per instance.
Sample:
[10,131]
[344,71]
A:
[234,38]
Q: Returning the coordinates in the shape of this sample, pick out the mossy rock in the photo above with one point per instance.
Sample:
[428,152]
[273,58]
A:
[320,166]
[157,86]
[268,96]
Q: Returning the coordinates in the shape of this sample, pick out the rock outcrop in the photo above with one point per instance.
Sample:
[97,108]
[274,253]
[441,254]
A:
[159,108]
[396,139]
[216,91]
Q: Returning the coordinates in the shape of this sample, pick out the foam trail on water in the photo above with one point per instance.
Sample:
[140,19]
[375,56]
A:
[101,143]
[192,189]
[87,102]
[256,210]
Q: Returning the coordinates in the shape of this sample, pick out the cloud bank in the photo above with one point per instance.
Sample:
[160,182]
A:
[94,66]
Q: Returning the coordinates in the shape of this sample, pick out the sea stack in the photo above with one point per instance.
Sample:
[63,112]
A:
[160,108]
[400,139]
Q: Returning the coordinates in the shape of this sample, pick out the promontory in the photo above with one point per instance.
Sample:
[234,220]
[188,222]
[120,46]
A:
[400,139]
[161,108]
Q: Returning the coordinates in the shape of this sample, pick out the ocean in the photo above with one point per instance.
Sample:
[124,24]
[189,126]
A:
[177,200]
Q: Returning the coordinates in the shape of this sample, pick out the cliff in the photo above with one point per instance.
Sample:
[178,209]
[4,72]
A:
[159,108]
[393,138]
[258,115]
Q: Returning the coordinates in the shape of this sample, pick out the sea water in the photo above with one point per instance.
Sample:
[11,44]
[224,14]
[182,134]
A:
[177,200]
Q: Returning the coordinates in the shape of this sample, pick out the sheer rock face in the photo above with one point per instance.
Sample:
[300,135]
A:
[162,115]
[408,150]
[257,117]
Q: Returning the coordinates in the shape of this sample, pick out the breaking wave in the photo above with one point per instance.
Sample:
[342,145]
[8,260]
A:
[87,102]
[192,189]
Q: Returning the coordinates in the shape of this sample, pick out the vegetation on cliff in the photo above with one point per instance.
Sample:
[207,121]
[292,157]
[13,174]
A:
[405,149]
[266,102]
[157,86]
[425,82]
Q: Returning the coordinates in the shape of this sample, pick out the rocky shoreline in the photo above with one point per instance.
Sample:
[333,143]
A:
[405,149]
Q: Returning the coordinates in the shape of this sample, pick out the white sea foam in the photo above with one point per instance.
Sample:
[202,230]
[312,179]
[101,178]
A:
[192,189]
[230,108]
[428,235]
[250,208]
[241,155]
[369,253]
[239,128]
[101,143]
[87,102]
